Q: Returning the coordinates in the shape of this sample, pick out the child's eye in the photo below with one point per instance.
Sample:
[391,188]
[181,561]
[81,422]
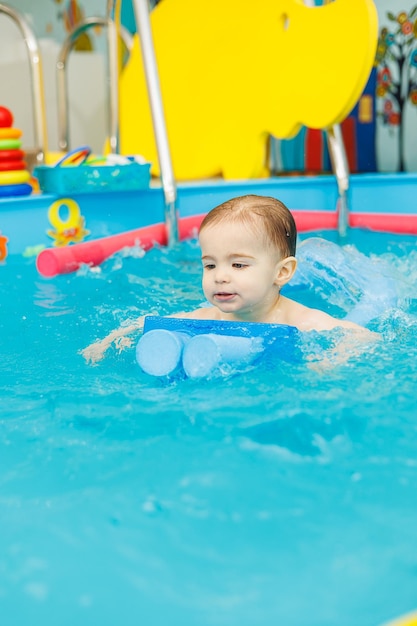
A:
[239,266]
[209,266]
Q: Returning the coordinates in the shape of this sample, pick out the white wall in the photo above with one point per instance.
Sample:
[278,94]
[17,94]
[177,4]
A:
[86,74]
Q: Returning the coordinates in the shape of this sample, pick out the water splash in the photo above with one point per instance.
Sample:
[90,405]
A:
[363,287]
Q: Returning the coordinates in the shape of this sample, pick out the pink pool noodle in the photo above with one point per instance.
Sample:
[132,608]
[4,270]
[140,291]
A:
[66,259]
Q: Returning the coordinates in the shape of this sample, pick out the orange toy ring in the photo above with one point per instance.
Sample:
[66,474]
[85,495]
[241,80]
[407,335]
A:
[10,133]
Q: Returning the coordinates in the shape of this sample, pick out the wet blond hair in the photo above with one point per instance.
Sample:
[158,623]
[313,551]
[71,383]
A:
[267,216]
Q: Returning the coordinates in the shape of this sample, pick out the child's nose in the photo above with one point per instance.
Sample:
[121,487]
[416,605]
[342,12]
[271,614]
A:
[222,276]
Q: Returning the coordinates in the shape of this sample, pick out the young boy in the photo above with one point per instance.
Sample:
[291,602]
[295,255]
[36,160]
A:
[248,253]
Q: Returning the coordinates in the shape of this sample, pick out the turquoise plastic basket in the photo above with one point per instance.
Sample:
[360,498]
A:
[71,179]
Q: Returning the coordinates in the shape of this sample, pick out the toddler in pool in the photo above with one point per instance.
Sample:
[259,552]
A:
[248,247]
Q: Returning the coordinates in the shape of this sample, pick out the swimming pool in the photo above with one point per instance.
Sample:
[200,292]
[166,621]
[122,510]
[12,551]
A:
[268,496]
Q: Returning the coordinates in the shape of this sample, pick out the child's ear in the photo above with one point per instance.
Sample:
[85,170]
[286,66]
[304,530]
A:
[285,270]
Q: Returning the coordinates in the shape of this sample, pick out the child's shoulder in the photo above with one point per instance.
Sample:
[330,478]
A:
[306,319]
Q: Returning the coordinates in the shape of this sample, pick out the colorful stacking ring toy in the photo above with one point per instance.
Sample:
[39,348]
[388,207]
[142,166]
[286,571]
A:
[10,133]
[11,155]
[22,189]
[7,166]
[14,178]
[10,144]
[6,118]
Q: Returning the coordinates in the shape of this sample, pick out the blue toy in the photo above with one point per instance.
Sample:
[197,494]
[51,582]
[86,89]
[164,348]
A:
[20,189]
[200,348]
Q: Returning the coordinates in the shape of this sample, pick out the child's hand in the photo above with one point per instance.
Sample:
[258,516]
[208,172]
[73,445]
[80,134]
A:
[350,345]
[121,343]
[95,352]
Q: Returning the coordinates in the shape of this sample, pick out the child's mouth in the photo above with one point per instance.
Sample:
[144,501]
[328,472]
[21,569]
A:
[224,296]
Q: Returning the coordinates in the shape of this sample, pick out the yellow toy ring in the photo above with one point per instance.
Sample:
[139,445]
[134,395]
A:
[72,218]
[15,177]
[10,133]
[10,144]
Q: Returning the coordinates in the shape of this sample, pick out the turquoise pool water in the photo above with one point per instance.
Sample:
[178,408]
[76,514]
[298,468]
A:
[271,496]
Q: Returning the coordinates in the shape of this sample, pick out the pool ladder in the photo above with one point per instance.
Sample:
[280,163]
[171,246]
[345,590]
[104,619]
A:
[38,99]
[143,27]
[340,168]
[113,77]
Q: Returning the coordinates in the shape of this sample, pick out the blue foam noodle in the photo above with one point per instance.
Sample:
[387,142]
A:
[198,348]
[206,353]
[159,351]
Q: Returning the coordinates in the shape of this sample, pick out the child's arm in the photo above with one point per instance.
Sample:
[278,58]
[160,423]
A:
[355,342]
[95,351]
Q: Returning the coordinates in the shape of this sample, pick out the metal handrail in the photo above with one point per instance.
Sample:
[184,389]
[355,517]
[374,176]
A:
[143,27]
[340,168]
[113,79]
[38,97]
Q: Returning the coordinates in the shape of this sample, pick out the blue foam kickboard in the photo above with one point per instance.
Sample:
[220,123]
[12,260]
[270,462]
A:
[280,340]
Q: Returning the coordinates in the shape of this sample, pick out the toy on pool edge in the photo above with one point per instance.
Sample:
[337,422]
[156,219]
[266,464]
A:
[6,118]
[199,348]
[3,247]
[14,177]
[79,171]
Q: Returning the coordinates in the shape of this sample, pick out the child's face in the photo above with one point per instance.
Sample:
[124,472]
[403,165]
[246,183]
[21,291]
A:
[239,271]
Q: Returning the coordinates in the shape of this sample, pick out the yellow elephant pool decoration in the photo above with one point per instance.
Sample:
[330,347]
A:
[233,72]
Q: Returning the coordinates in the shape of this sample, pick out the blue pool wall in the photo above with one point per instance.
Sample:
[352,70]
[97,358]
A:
[24,220]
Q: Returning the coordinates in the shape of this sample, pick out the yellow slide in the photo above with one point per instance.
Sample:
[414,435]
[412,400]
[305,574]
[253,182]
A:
[234,71]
